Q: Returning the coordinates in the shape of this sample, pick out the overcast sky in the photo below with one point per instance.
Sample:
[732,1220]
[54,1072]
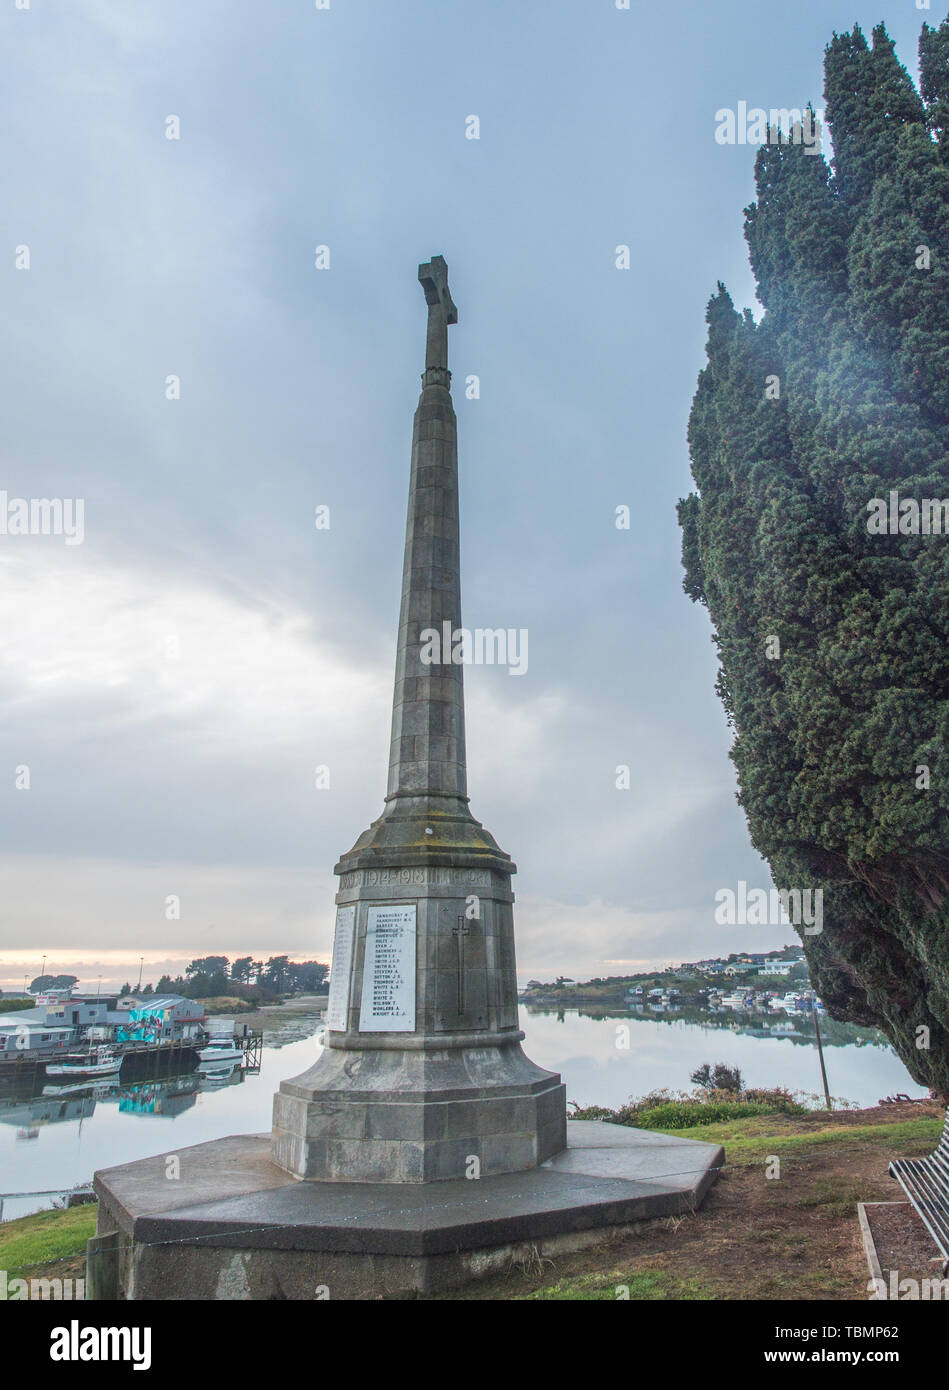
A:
[172,682]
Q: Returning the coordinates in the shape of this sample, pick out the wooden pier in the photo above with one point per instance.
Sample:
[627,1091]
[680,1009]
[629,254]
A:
[144,1061]
[251,1043]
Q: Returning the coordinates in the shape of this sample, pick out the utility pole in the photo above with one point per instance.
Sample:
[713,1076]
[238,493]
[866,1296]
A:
[820,1053]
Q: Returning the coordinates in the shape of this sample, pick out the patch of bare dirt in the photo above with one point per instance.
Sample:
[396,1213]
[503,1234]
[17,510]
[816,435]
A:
[796,1236]
[903,1244]
[873,1115]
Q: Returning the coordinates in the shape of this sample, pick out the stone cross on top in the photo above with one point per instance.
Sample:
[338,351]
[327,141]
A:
[433,277]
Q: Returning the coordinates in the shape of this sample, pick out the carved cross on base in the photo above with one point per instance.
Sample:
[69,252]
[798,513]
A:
[433,277]
[461,931]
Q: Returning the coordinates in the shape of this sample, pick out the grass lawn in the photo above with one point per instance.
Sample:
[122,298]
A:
[37,1244]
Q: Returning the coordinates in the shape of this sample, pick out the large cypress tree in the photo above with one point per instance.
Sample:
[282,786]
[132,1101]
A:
[841,741]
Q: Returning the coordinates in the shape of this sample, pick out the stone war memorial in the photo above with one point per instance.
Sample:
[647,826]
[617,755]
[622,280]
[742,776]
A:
[423,1148]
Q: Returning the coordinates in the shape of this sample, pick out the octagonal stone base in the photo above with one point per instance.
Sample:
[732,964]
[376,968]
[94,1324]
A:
[374,1115]
[234,1225]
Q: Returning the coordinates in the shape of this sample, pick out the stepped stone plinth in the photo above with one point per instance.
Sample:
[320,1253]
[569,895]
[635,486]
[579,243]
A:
[238,1226]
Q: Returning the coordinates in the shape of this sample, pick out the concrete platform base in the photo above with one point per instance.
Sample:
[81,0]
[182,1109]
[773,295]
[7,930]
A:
[234,1225]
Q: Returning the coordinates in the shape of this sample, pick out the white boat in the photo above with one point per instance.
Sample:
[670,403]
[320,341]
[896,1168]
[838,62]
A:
[100,1089]
[737,1000]
[220,1074]
[98,1061]
[220,1052]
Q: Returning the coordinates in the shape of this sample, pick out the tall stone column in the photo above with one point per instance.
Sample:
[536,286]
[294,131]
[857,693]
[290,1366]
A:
[423,1076]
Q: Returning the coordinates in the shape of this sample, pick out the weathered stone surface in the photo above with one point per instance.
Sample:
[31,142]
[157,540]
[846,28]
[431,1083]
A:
[417,1103]
[236,1226]
[418,1116]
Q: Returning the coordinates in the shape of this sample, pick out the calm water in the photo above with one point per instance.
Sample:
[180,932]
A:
[57,1141]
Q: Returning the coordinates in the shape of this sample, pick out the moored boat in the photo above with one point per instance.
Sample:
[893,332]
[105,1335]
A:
[98,1061]
[220,1052]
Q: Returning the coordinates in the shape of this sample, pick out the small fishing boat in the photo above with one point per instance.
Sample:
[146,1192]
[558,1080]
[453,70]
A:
[213,1077]
[98,1088]
[220,1052]
[98,1061]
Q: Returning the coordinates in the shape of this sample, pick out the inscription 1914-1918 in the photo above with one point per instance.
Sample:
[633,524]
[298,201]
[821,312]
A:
[405,878]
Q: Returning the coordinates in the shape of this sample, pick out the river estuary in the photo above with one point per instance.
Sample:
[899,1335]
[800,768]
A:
[57,1139]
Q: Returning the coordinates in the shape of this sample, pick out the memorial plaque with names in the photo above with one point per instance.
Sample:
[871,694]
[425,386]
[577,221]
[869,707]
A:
[337,1008]
[388,976]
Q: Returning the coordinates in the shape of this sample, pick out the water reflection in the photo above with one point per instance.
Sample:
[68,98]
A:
[48,1103]
[794,1023]
[53,1137]
[45,1103]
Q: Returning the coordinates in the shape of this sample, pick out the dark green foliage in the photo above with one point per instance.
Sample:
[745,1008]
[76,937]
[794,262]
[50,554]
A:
[43,983]
[829,736]
[686,1114]
[934,79]
[721,1077]
[211,976]
[662,1110]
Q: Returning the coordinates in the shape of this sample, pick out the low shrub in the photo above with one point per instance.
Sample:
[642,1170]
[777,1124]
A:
[685,1114]
[226,1004]
[663,1109]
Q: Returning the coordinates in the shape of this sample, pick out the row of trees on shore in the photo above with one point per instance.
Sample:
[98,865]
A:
[244,978]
